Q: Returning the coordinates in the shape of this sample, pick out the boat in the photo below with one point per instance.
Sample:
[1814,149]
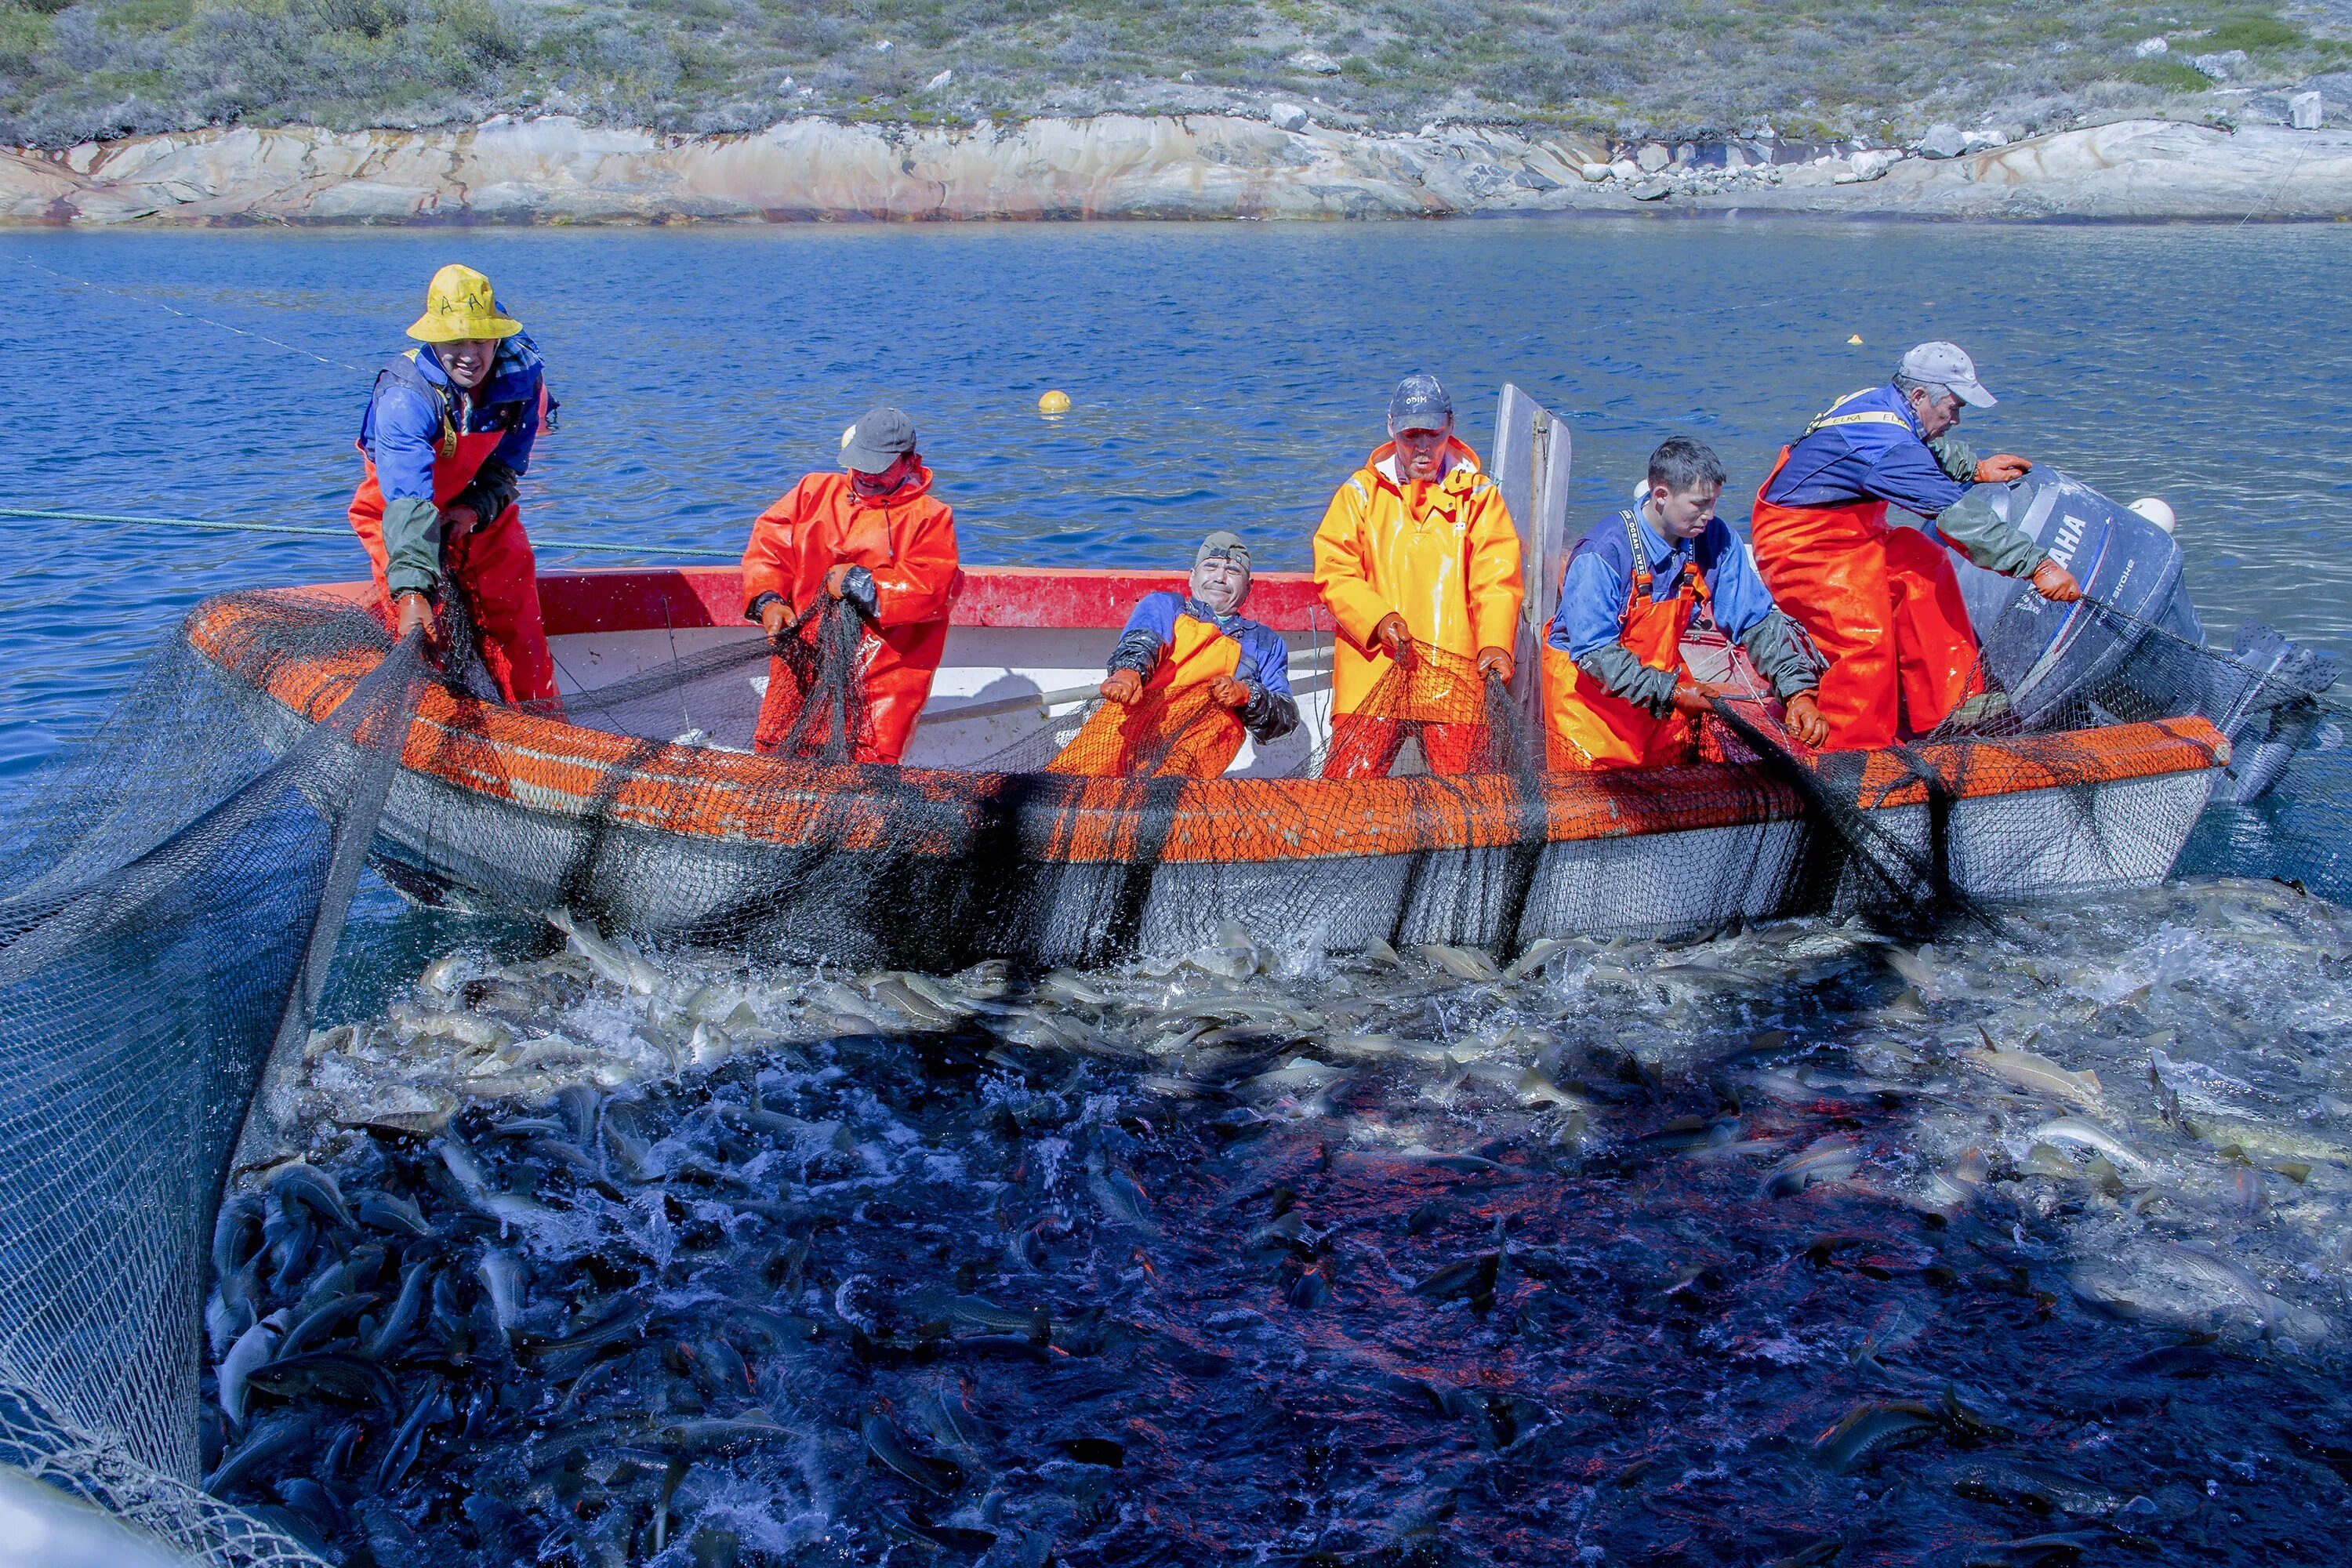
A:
[676,833]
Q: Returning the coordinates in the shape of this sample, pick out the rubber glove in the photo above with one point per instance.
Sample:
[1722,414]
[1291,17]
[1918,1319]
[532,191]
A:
[1496,662]
[1696,697]
[852,585]
[1227,692]
[2001,468]
[775,617]
[1805,721]
[1392,634]
[463,519]
[417,613]
[1123,688]
[2053,582]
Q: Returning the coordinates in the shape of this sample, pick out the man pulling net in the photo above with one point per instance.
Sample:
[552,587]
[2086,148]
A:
[872,539]
[1619,691]
[1190,676]
[1418,563]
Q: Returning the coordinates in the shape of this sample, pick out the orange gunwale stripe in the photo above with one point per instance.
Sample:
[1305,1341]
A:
[542,764]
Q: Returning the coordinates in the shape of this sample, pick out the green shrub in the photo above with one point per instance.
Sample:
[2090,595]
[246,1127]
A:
[2250,31]
[23,36]
[2167,76]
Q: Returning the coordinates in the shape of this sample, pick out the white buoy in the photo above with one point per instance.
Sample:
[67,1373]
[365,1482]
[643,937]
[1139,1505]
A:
[2157,511]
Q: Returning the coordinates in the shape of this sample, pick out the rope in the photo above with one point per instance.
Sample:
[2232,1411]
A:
[125,520]
[185,315]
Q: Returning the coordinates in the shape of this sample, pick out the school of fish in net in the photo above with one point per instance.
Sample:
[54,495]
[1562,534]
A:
[1799,1244]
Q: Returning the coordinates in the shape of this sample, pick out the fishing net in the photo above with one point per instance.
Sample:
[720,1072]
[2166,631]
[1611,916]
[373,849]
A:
[174,889]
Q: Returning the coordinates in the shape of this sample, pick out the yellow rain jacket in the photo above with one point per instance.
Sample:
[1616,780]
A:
[1444,556]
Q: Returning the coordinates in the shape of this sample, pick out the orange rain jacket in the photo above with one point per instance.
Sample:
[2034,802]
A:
[1444,556]
[907,542]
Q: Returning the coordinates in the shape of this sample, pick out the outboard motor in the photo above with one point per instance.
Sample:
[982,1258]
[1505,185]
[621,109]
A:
[2063,665]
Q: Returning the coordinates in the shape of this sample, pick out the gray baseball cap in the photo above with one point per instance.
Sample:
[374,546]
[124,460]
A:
[1947,364]
[1420,404]
[1227,544]
[881,437]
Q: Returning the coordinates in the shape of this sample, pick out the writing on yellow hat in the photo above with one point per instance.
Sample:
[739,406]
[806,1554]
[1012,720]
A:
[459,306]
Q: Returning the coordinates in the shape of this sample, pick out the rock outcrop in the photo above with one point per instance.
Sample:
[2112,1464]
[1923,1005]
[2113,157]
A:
[1202,166]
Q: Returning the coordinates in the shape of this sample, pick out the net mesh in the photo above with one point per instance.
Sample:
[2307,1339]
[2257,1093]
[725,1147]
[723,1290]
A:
[175,893]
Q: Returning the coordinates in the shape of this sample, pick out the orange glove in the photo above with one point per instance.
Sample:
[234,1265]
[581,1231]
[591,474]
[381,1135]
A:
[1805,721]
[1696,697]
[1496,662]
[775,617]
[1123,688]
[1392,634]
[2001,468]
[836,577]
[1227,692]
[2053,582]
[416,615]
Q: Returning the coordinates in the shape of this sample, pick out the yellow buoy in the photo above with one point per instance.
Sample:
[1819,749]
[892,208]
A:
[1855,340]
[1054,403]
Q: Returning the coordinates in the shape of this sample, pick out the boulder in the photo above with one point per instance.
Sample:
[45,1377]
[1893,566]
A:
[2223,66]
[1943,140]
[1596,173]
[1626,169]
[1653,158]
[1316,62]
[2150,48]
[2306,111]
[1870,163]
[1650,191]
[1286,117]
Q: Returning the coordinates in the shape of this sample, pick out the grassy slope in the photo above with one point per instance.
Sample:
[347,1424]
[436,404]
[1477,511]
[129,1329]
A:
[68,71]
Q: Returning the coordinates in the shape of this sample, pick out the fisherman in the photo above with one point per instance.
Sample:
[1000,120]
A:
[874,540]
[1174,642]
[1619,694]
[446,441]
[1883,604]
[1417,552]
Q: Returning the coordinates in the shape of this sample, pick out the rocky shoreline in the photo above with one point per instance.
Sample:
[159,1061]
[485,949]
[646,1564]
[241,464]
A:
[558,170]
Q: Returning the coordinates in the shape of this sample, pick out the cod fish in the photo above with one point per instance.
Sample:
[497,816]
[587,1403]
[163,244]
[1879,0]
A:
[2039,1075]
[1869,1430]
[616,962]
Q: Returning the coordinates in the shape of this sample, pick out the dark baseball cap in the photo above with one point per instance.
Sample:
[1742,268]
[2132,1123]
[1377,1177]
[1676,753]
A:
[1420,404]
[1225,543]
[881,437]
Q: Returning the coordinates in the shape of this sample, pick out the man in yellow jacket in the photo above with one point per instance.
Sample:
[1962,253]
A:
[1418,562]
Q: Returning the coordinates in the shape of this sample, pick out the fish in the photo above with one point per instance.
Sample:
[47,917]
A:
[501,1275]
[402,1318]
[279,1435]
[322,1320]
[1468,963]
[1539,954]
[385,1211]
[252,1349]
[723,1433]
[888,1446]
[2074,1133]
[328,1374]
[617,963]
[1868,1430]
[1831,1159]
[2040,1075]
[400,1452]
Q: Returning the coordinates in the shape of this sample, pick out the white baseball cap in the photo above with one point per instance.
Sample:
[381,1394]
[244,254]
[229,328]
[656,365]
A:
[1947,364]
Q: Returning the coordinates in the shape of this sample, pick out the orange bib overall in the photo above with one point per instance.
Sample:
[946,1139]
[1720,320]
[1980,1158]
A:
[1119,739]
[492,567]
[1882,604]
[1593,728]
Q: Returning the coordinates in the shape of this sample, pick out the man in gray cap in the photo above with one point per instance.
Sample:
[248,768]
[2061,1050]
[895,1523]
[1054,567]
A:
[1174,641]
[1417,550]
[877,540]
[1883,604]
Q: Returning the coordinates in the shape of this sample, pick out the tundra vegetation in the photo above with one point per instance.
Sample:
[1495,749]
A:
[74,69]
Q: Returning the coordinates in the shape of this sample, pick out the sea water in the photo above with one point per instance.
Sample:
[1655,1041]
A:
[2027,1246]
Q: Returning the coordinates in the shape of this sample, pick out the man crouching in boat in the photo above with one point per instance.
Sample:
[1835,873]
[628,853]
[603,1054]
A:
[1883,604]
[1417,552]
[1175,643]
[877,540]
[446,441]
[1618,690]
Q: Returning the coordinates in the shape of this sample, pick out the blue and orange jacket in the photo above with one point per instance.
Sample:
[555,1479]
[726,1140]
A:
[1170,622]
[412,415]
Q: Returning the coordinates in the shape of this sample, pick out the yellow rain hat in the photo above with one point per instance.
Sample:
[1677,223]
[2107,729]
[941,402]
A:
[458,307]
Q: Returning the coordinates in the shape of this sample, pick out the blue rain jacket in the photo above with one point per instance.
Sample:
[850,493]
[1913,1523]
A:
[1600,579]
[1867,460]
[401,428]
[1264,665]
